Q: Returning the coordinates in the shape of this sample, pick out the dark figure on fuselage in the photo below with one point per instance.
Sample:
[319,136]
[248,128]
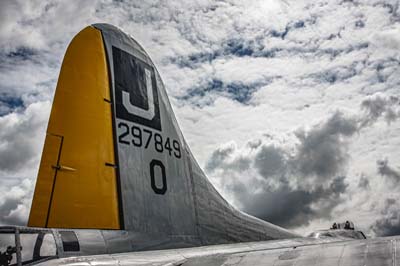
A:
[6,256]
[347,225]
[334,226]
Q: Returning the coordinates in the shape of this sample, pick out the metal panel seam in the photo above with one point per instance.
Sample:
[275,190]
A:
[54,181]
[116,156]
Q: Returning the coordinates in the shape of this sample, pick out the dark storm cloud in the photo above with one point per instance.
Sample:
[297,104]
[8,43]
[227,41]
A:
[389,223]
[291,207]
[220,158]
[322,154]
[270,161]
[313,174]
[282,195]
[323,151]
[294,187]
[281,203]
[6,209]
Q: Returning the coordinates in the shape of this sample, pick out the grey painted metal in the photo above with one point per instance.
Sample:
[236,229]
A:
[191,212]
[338,233]
[18,246]
[99,247]
[299,252]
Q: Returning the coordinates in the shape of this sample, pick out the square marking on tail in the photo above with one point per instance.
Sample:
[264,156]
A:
[136,94]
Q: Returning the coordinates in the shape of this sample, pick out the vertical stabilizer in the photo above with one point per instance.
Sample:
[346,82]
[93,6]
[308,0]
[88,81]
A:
[114,155]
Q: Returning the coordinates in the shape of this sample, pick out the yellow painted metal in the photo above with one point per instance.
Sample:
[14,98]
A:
[84,187]
[44,183]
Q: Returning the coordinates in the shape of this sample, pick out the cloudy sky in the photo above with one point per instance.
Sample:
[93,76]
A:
[290,106]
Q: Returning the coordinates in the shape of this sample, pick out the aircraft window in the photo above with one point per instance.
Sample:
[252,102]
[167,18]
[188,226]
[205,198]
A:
[70,241]
[48,248]
[37,246]
[7,249]
[28,242]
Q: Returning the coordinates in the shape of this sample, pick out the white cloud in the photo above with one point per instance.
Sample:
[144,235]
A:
[21,137]
[21,141]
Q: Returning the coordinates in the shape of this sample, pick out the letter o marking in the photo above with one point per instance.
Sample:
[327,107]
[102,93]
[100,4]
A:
[158,190]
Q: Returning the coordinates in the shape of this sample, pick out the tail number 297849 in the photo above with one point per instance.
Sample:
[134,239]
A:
[147,138]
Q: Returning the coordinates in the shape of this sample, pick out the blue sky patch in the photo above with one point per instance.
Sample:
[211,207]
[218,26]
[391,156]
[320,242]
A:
[236,91]
[9,104]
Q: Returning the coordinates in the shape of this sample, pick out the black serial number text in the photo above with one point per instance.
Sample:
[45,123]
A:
[146,138]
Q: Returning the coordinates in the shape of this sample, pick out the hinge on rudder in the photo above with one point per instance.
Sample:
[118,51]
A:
[111,165]
[63,168]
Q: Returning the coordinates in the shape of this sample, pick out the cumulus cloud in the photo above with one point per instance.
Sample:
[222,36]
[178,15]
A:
[274,191]
[291,186]
[21,137]
[15,203]
[220,156]
[380,106]
[388,38]
[322,151]
[288,187]
[37,26]
[389,223]
[270,161]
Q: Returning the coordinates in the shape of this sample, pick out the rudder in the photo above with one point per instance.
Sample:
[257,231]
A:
[76,185]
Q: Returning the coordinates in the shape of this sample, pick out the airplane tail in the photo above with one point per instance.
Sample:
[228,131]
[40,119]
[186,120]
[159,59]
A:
[115,158]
